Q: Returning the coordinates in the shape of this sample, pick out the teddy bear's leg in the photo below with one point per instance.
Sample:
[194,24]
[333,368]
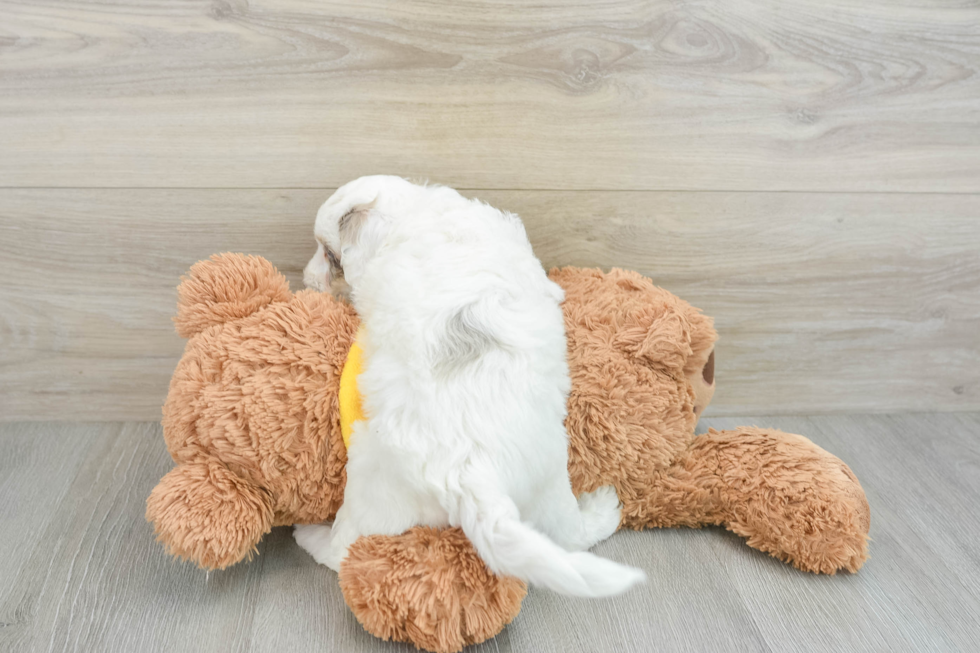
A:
[205,513]
[429,587]
[786,495]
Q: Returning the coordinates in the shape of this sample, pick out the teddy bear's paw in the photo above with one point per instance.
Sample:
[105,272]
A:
[203,512]
[600,511]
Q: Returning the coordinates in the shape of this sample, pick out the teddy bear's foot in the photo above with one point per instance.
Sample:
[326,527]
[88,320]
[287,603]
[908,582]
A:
[204,513]
[789,498]
[428,587]
[784,494]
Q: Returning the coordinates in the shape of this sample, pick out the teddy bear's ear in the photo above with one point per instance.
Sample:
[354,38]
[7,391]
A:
[647,323]
[657,327]
[226,287]
[661,338]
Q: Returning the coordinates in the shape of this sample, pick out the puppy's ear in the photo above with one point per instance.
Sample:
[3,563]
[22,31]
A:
[362,230]
[353,223]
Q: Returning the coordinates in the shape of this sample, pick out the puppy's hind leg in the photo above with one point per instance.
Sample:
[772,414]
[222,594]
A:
[327,544]
[576,524]
[314,539]
[376,502]
[601,513]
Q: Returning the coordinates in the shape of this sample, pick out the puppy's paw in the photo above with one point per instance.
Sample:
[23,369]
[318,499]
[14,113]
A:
[600,513]
[314,539]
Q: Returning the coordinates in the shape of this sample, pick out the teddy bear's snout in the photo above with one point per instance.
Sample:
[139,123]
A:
[703,385]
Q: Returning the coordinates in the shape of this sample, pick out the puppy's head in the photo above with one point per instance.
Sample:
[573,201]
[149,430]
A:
[350,227]
[343,243]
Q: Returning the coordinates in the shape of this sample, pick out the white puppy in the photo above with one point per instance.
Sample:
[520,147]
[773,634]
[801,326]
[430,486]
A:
[464,385]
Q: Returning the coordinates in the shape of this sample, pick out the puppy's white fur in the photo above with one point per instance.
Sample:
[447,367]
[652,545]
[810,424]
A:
[464,385]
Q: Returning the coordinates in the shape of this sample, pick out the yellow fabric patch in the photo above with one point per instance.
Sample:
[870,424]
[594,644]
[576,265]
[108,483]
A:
[350,398]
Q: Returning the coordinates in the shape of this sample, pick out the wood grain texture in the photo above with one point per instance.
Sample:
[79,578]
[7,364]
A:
[32,486]
[95,580]
[81,571]
[824,302]
[615,94]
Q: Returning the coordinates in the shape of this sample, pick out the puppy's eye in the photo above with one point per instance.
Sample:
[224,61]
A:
[332,258]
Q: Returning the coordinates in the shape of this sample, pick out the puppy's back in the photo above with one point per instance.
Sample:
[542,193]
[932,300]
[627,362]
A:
[457,278]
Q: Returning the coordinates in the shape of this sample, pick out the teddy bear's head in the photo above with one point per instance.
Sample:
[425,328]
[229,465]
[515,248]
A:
[251,415]
[642,365]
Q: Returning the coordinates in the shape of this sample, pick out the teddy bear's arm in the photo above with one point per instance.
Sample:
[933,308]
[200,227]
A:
[785,495]
[203,512]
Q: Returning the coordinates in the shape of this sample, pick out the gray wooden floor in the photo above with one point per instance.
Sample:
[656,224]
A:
[80,570]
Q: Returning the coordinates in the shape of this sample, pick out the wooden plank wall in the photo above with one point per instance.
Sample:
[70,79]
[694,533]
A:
[806,172]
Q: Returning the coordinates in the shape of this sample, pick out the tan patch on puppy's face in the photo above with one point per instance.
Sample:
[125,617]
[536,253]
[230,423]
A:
[338,284]
[349,225]
[359,233]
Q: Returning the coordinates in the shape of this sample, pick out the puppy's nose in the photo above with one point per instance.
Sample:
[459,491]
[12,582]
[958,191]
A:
[315,282]
[315,278]
[708,373]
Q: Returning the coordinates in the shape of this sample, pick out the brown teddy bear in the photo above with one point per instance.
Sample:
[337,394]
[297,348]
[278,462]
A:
[252,421]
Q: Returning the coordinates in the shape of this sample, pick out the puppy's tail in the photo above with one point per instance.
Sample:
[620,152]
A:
[512,548]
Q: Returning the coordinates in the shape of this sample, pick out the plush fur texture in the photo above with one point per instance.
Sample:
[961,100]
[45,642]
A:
[393,590]
[251,417]
[637,357]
